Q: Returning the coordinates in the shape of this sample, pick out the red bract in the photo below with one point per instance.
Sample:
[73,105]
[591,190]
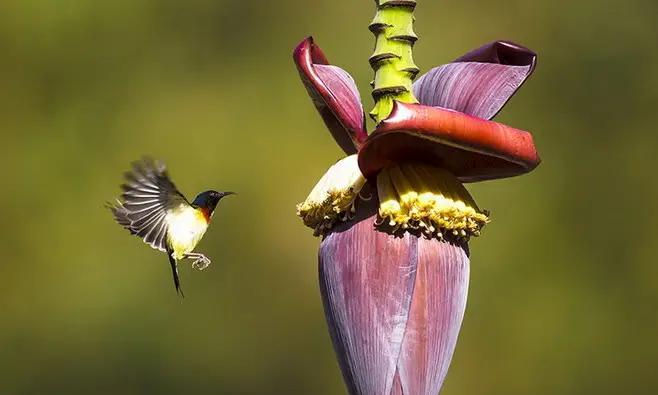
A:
[394,302]
[471,148]
[476,86]
[334,94]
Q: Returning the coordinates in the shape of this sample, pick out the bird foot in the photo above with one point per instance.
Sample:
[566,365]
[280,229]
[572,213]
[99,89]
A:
[201,262]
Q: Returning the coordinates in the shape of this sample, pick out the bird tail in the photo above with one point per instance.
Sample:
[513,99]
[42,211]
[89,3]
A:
[174,272]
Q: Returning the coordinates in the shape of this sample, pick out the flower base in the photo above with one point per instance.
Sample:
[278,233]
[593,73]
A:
[394,306]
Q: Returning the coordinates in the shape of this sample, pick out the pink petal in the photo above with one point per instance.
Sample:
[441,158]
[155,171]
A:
[367,279]
[394,306]
[437,310]
[478,83]
[334,94]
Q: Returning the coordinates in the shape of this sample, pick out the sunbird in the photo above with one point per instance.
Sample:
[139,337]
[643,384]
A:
[152,208]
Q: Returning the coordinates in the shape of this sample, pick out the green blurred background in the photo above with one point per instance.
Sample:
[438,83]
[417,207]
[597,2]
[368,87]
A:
[564,289]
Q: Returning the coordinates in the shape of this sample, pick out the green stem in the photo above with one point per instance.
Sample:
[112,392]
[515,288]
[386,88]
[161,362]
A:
[392,60]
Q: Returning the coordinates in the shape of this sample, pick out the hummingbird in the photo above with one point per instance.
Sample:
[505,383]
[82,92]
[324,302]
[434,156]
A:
[152,208]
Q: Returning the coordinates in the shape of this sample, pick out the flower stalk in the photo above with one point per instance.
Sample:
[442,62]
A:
[392,59]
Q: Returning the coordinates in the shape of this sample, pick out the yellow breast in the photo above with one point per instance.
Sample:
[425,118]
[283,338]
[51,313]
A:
[186,227]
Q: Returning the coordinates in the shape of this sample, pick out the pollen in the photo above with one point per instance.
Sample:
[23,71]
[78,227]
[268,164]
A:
[333,198]
[414,196]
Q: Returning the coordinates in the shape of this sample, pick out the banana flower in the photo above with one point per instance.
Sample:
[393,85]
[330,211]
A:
[394,216]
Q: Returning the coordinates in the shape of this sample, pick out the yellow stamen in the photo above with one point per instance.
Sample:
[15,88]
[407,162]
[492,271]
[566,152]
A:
[333,197]
[390,208]
[429,199]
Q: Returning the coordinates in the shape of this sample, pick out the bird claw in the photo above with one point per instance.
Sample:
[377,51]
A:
[201,263]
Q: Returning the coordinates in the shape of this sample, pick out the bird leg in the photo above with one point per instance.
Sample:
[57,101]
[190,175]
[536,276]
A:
[200,261]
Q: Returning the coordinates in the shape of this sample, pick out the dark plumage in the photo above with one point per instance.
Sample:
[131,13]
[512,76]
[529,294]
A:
[147,195]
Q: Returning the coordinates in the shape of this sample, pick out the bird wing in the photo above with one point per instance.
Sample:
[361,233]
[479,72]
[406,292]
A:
[147,196]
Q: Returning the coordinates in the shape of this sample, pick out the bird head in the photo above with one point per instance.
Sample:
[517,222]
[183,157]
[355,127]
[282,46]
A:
[208,200]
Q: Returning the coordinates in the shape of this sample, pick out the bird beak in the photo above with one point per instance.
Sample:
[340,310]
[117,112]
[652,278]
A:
[228,193]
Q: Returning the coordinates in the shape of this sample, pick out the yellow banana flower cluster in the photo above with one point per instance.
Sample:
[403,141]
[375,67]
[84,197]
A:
[333,197]
[412,196]
[420,197]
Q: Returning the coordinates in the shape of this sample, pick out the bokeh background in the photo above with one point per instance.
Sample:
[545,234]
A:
[564,289]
